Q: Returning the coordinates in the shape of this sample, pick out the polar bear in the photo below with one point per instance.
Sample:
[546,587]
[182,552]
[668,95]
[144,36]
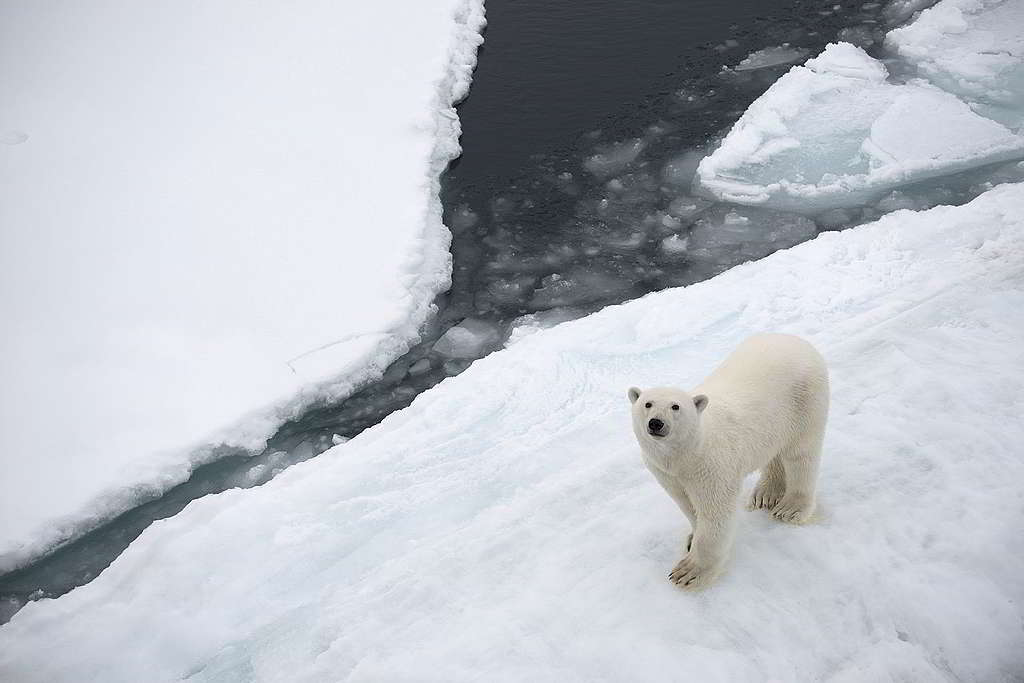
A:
[764,408]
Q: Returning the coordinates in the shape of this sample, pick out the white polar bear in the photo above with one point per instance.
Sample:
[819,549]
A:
[764,408]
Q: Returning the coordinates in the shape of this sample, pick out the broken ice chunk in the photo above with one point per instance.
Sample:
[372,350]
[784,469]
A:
[611,159]
[463,218]
[581,285]
[472,338]
[835,133]
[771,56]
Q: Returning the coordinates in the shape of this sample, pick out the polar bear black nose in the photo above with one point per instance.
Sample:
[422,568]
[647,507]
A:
[655,424]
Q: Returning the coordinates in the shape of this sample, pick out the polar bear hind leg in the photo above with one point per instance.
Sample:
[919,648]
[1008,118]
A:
[800,463]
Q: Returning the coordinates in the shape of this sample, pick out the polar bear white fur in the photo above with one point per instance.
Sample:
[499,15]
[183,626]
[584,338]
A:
[764,408]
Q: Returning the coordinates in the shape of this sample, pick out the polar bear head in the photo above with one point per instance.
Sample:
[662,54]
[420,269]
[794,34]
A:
[664,416]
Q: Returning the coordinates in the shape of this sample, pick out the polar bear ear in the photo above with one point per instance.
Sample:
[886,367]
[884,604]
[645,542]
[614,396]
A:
[700,402]
[633,394]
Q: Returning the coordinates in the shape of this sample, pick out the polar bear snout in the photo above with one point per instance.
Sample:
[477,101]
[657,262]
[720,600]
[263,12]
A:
[656,427]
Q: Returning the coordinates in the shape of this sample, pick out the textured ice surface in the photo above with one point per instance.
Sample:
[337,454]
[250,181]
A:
[835,132]
[504,528]
[973,48]
[770,56]
[191,195]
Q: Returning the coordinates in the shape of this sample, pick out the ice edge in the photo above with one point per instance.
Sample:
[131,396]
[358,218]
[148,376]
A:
[430,267]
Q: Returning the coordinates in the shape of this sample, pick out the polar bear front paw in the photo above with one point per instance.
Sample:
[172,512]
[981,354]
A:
[692,573]
[794,509]
[766,495]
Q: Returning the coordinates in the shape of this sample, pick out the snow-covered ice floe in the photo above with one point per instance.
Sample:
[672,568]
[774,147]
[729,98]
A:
[504,528]
[838,131]
[973,48]
[212,215]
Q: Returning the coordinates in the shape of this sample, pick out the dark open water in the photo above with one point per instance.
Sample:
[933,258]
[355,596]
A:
[580,134]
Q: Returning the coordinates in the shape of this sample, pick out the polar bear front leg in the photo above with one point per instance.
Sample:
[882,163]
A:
[710,542]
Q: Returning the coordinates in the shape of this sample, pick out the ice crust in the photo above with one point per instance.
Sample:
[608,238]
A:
[213,215]
[839,132]
[504,528]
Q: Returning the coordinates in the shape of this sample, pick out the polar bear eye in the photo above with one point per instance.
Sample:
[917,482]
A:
[675,406]
[647,405]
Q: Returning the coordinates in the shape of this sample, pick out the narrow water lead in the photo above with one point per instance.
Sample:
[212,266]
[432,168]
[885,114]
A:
[580,138]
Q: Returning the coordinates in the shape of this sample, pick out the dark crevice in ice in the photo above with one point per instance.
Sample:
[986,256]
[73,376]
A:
[580,137]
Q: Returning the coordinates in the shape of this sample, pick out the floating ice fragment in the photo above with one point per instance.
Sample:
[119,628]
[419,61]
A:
[419,367]
[685,207]
[771,56]
[861,36]
[463,218]
[835,133]
[611,159]
[674,244]
[679,170]
[470,339]
[581,285]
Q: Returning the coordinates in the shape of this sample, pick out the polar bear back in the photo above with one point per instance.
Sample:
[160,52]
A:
[771,391]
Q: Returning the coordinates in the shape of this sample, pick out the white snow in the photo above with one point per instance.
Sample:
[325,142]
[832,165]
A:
[974,48]
[504,528]
[835,132]
[213,213]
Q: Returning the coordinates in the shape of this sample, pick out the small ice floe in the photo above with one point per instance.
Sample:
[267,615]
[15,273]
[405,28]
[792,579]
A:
[610,159]
[580,286]
[771,56]
[470,339]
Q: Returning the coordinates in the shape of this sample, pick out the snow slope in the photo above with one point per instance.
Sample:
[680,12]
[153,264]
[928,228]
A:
[834,132]
[504,528]
[213,213]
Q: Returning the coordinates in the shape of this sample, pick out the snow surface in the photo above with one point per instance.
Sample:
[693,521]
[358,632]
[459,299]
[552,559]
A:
[213,213]
[974,48]
[503,527]
[834,132]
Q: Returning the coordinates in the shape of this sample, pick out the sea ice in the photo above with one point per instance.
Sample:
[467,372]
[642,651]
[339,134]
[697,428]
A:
[503,527]
[579,286]
[771,56]
[834,132]
[972,48]
[217,214]
[611,159]
[471,338]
